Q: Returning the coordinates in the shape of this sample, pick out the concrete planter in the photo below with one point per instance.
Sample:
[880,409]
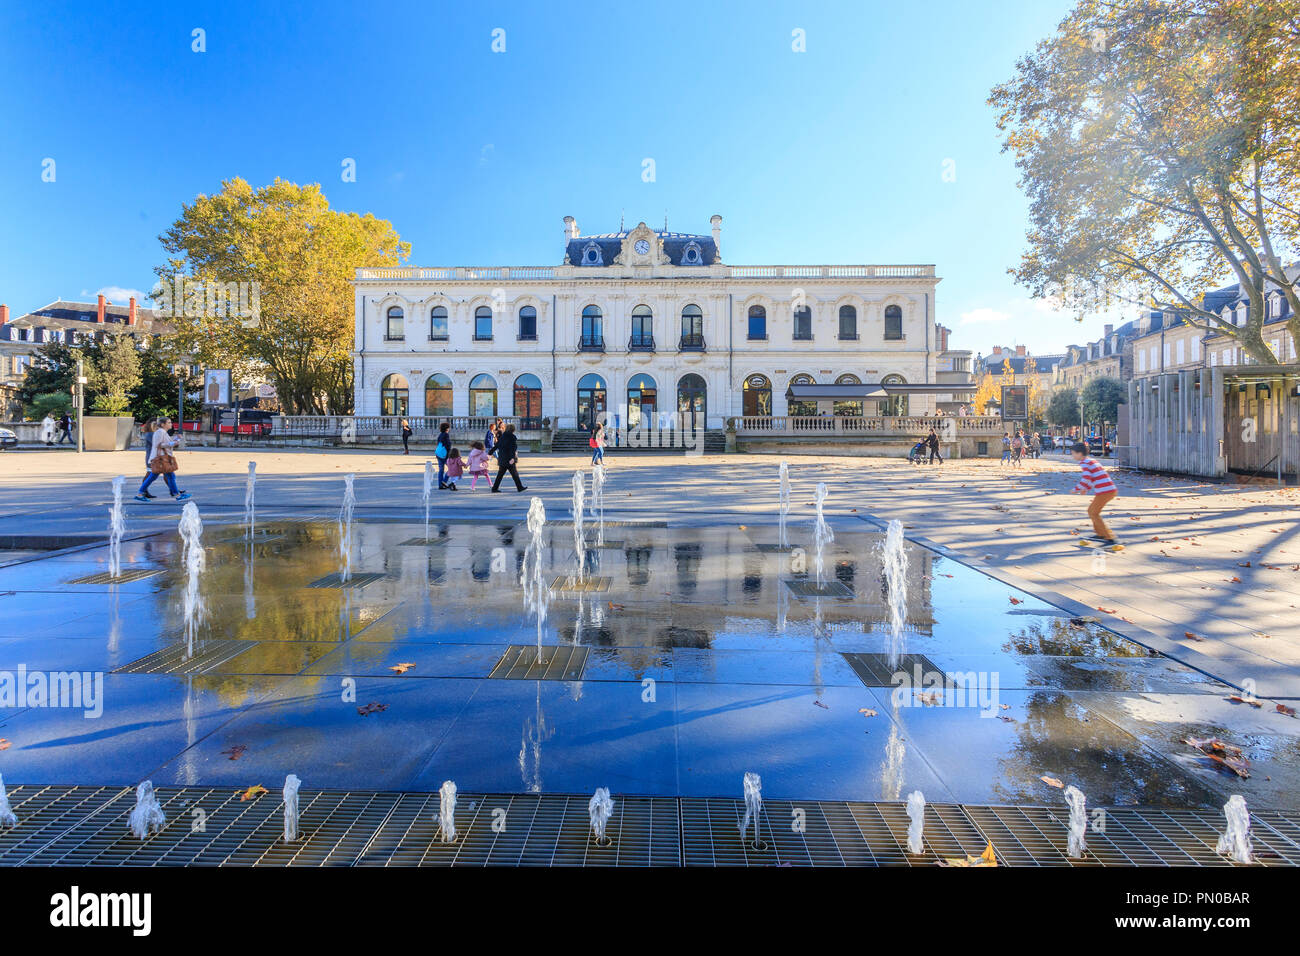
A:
[106,433]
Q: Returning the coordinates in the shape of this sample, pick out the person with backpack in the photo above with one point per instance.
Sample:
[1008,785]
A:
[597,442]
[442,451]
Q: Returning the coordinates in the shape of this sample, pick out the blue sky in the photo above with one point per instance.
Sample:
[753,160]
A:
[833,155]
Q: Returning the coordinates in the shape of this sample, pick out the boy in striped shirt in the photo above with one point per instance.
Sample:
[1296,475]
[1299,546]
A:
[1098,483]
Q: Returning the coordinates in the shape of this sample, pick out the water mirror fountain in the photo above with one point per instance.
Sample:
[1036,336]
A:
[579,542]
[1235,841]
[291,785]
[1078,821]
[535,590]
[345,528]
[250,487]
[783,539]
[7,817]
[116,527]
[599,809]
[193,558]
[427,495]
[447,812]
[147,817]
[822,535]
[893,560]
[916,826]
[753,785]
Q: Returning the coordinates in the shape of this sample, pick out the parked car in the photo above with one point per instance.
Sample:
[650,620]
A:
[1098,446]
[8,438]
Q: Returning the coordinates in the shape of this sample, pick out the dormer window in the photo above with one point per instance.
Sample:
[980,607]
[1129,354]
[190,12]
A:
[691,255]
[591,255]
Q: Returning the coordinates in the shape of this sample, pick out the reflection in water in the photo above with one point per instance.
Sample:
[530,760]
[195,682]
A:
[891,770]
[1057,637]
[530,747]
[250,600]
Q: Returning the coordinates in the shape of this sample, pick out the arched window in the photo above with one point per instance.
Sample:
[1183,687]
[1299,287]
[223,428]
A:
[593,328]
[643,329]
[757,322]
[895,404]
[394,395]
[395,329]
[692,328]
[757,397]
[848,406]
[528,401]
[528,324]
[692,401]
[438,324]
[848,322]
[483,396]
[802,407]
[437,396]
[893,323]
[803,324]
[483,324]
[642,401]
[591,400]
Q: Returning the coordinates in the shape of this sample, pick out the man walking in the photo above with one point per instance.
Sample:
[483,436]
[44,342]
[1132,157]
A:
[65,426]
[507,452]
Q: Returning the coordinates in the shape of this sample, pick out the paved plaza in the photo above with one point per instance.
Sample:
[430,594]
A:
[692,652]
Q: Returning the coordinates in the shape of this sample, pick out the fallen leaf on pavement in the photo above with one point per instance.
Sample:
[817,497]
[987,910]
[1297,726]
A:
[987,858]
[235,752]
[1238,699]
[253,792]
[373,707]
[401,668]
[1192,637]
[1052,782]
[866,712]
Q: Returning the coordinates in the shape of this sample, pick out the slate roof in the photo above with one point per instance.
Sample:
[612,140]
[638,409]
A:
[80,316]
[611,244]
[1042,363]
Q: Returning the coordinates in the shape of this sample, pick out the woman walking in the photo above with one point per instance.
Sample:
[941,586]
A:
[146,435]
[442,450]
[47,429]
[598,444]
[406,437]
[162,462]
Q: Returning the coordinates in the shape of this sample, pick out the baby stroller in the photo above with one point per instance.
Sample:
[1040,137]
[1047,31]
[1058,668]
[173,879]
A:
[918,453]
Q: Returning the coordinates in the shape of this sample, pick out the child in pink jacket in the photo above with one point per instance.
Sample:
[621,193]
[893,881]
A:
[478,459]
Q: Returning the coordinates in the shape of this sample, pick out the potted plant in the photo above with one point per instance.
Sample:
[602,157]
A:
[113,376]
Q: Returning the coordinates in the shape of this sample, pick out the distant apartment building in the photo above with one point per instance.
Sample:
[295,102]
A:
[1022,363]
[1109,356]
[73,323]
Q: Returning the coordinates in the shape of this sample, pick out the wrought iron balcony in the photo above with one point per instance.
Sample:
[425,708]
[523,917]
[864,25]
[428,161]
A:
[641,343]
[692,343]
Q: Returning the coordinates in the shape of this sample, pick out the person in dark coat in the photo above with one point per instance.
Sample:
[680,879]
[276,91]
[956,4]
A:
[406,437]
[932,440]
[507,453]
[442,451]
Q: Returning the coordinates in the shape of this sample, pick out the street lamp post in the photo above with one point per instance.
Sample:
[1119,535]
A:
[81,401]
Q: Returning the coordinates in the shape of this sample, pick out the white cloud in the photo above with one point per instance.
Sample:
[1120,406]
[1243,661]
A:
[983,315]
[120,296]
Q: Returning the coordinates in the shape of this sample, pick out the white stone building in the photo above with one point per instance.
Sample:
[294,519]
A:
[640,323]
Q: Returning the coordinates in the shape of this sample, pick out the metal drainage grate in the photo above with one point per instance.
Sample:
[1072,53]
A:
[775,548]
[589,523]
[176,660]
[126,577]
[358,579]
[585,585]
[86,826]
[519,662]
[809,589]
[421,542]
[874,670]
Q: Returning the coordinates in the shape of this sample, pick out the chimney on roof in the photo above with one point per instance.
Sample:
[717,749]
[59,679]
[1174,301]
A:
[1109,329]
[1020,351]
[130,317]
[99,314]
[997,350]
[716,221]
[570,228]
[4,314]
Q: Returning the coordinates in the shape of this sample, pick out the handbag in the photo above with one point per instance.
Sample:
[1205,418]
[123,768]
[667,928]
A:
[163,464]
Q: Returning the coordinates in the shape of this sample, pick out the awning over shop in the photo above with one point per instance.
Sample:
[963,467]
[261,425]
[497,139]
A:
[859,393]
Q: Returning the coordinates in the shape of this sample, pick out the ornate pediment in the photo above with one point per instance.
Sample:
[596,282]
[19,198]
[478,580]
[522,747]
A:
[642,246]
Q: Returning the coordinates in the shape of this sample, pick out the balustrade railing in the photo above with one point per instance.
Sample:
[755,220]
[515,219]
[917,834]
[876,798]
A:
[918,425]
[369,427]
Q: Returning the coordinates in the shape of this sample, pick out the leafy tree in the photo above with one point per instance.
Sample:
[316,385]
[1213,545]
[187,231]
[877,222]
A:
[297,257]
[114,375]
[53,404]
[159,386]
[53,369]
[985,391]
[1063,408]
[1101,398]
[1159,148]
